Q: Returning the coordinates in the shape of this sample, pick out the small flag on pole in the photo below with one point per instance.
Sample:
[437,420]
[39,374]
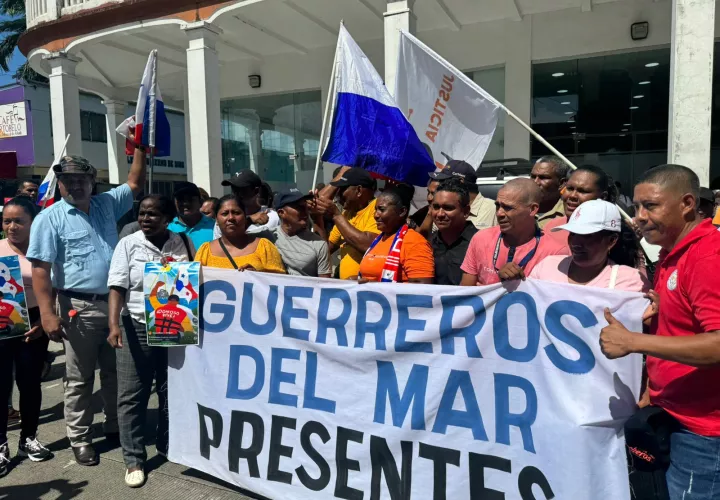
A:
[368,129]
[48,187]
[46,191]
[152,128]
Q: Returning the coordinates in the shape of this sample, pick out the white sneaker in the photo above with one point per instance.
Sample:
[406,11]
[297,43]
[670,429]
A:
[135,479]
[4,459]
[34,450]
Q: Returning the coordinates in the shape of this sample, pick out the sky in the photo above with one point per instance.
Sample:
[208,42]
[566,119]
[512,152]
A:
[17,60]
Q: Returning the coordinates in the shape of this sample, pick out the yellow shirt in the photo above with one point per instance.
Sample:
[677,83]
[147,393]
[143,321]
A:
[350,257]
[716,219]
[482,212]
[265,258]
[557,211]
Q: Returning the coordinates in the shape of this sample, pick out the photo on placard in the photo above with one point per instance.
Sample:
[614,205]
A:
[172,303]
[14,321]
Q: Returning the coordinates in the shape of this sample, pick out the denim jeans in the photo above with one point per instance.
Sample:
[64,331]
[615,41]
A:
[694,472]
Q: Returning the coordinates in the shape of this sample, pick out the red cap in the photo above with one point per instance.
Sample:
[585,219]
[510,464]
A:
[72,313]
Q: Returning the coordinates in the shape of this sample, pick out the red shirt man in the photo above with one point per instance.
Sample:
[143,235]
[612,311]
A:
[683,355]
[169,318]
[686,280]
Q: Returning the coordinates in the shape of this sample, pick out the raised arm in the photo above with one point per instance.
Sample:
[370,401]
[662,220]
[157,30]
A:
[138,171]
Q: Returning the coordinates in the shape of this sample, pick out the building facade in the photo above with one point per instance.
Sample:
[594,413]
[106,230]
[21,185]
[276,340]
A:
[27,133]
[624,84]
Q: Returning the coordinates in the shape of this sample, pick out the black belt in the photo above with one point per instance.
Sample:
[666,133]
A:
[87,297]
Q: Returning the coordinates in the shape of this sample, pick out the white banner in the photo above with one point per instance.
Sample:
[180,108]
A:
[451,114]
[308,389]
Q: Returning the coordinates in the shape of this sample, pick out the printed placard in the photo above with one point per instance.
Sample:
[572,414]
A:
[14,321]
[172,303]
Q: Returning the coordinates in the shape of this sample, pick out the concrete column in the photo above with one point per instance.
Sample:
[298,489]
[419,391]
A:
[117,159]
[691,75]
[203,86]
[64,103]
[188,145]
[518,85]
[399,16]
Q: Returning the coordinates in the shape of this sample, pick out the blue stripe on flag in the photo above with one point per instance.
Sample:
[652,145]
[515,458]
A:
[162,129]
[378,138]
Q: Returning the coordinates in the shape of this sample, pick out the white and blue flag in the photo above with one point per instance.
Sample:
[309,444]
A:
[152,128]
[368,128]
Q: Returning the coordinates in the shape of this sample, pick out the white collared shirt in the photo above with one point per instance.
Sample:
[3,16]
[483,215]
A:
[127,267]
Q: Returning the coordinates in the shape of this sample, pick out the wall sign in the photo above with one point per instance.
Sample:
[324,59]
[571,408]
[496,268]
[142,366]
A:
[12,120]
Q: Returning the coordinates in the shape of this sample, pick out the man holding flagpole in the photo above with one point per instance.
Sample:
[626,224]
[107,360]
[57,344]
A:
[71,245]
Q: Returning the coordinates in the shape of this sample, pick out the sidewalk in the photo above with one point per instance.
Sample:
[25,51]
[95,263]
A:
[61,478]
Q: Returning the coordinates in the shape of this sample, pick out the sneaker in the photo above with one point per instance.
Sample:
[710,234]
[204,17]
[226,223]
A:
[135,479]
[4,459]
[33,450]
[13,416]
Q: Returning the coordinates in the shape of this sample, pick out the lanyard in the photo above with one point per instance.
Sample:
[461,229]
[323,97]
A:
[511,251]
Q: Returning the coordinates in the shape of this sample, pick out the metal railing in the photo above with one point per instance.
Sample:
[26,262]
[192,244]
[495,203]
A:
[42,11]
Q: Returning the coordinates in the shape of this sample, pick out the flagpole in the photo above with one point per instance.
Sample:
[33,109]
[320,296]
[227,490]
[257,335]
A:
[153,121]
[552,149]
[329,103]
[57,160]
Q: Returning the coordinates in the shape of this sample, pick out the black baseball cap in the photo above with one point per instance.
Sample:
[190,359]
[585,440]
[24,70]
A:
[356,176]
[707,194]
[288,197]
[185,189]
[456,169]
[244,179]
[74,165]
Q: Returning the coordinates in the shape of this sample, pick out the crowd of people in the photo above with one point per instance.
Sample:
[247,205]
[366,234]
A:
[84,279]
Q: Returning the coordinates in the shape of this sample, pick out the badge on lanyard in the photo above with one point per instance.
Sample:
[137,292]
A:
[672,281]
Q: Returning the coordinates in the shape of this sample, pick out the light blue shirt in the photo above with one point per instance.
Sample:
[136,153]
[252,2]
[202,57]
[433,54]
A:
[200,233]
[80,246]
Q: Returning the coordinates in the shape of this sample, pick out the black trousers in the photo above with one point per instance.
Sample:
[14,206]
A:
[137,366]
[28,359]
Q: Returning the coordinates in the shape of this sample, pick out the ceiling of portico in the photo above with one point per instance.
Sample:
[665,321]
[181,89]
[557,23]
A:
[112,60]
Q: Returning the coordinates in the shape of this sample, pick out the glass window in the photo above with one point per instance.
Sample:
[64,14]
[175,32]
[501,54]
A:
[611,111]
[92,127]
[275,136]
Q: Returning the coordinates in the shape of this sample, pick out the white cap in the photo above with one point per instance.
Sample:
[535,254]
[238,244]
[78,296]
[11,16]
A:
[592,217]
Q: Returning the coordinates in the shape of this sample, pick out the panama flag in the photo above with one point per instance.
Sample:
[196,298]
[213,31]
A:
[46,191]
[152,128]
[48,187]
[368,129]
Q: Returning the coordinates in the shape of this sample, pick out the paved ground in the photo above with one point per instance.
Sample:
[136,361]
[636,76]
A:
[62,479]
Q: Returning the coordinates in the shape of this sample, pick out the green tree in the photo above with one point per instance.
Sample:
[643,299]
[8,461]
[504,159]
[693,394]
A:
[12,25]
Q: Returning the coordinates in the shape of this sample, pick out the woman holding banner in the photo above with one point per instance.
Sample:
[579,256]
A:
[236,249]
[600,257]
[137,363]
[398,254]
[26,354]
